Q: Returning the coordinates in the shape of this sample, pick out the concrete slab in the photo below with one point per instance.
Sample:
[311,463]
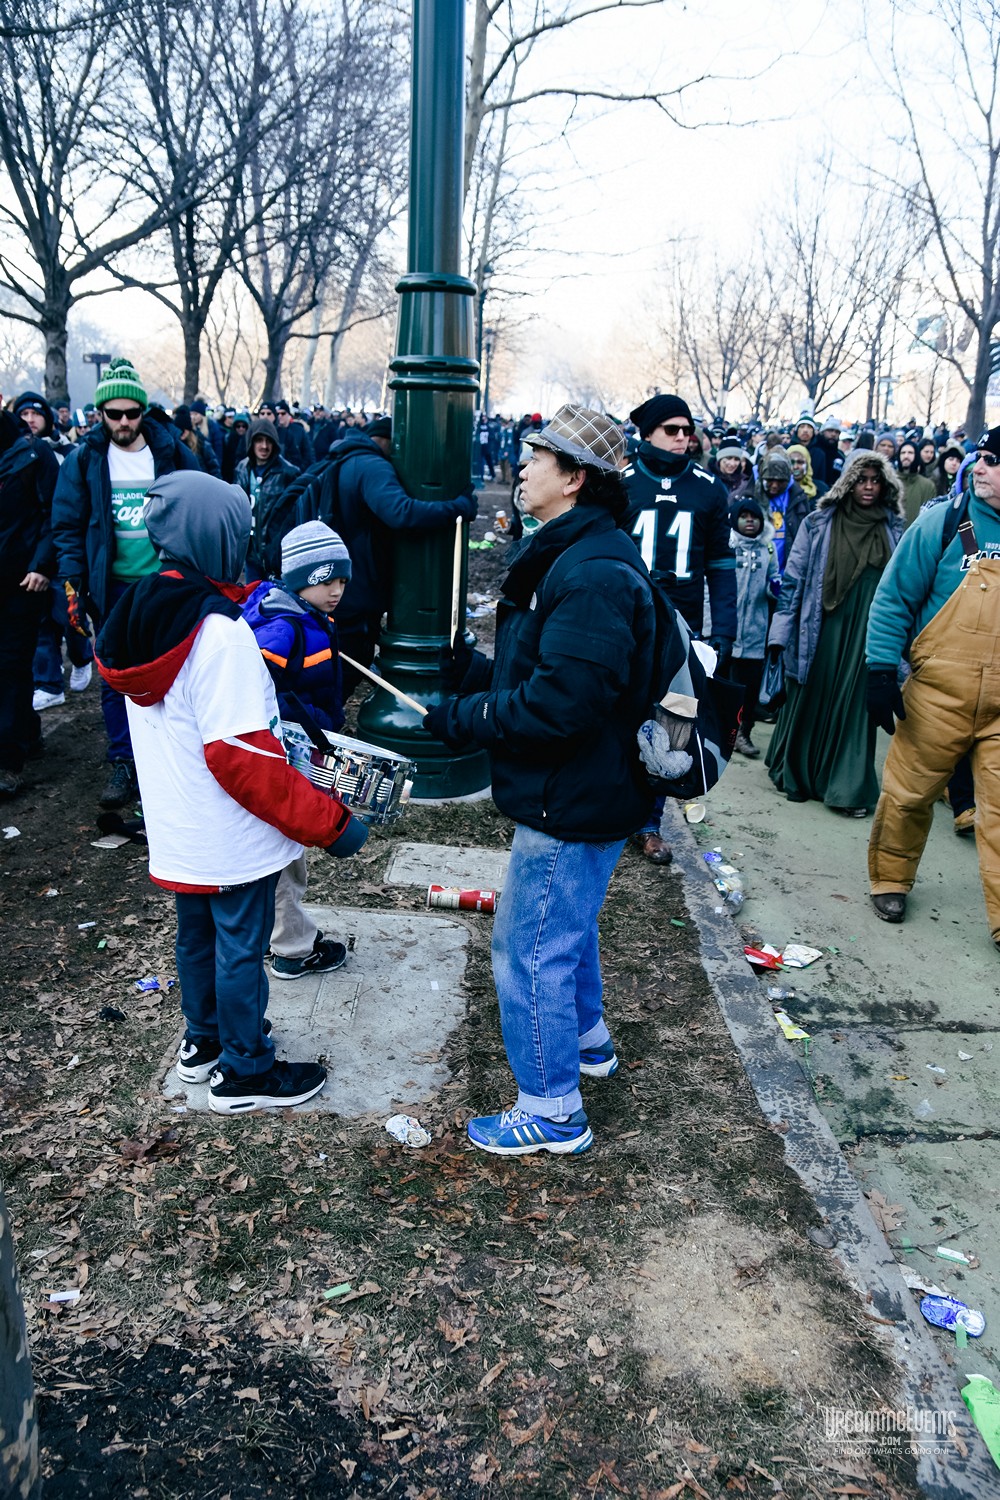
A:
[448,864]
[380,1023]
[950,1196]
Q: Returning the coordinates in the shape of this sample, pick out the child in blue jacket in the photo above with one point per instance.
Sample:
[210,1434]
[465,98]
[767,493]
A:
[293,623]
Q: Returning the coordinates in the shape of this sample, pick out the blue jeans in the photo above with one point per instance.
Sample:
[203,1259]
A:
[546,965]
[221,942]
[48,664]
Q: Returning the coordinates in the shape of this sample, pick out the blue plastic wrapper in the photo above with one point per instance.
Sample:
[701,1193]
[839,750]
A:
[151,984]
[947,1312]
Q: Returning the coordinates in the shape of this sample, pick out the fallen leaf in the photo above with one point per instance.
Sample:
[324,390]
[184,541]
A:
[597,1346]
[248,1393]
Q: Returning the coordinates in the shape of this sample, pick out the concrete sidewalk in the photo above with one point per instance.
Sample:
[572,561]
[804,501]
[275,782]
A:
[889,1010]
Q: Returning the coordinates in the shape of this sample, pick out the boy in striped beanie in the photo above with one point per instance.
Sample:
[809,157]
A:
[293,622]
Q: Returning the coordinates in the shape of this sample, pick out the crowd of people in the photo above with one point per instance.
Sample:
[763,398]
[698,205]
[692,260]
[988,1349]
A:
[209,551]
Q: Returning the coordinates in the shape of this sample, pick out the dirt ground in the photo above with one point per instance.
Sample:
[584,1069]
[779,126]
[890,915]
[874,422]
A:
[648,1320]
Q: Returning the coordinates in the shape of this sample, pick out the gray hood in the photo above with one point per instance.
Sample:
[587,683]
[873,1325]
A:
[199,522]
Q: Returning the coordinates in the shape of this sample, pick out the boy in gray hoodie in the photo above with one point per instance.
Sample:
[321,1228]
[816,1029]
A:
[758,583]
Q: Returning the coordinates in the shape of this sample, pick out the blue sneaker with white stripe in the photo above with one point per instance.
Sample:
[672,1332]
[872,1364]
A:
[599,1062]
[515,1133]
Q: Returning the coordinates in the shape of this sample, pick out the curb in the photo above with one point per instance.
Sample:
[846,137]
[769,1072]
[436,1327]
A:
[811,1150]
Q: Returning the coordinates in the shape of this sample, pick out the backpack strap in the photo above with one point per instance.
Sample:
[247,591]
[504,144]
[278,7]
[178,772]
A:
[957,520]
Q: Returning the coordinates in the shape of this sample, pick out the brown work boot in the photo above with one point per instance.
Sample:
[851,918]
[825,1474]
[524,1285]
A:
[891,906]
[653,848]
[965,823]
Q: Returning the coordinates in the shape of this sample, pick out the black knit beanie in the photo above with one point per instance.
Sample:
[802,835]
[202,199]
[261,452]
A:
[659,409]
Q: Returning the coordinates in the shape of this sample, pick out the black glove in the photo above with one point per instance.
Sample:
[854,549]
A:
[774,652]
[462,669]
[884,699]
[723,648]
[436,724]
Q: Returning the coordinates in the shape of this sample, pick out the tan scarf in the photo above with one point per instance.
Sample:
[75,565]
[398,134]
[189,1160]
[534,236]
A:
[858,540]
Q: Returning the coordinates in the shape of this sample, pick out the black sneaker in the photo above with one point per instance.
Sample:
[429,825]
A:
[286,1084]
[10,782]
[121,785]
[197,1061]
[325,957]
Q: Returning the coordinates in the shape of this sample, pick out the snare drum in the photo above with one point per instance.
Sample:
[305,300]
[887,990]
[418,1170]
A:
[373,782]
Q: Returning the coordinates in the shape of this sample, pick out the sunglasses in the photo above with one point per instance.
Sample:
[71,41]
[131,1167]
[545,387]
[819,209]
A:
[989,459]
[673,429]
[123,414]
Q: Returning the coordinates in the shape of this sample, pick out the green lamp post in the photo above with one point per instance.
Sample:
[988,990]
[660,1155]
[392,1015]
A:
[435,382]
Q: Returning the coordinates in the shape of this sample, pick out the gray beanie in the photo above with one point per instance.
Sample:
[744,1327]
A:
[313,553]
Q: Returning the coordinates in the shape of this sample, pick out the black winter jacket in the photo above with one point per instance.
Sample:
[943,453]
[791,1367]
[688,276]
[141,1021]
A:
[82,522]
[273,512]
[572,681]
[357,491]
[28,473]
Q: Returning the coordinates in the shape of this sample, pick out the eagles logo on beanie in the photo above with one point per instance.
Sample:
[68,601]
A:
[121,383]
[313,553]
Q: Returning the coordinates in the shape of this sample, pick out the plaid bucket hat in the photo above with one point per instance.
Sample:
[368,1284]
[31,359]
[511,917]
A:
[590,438]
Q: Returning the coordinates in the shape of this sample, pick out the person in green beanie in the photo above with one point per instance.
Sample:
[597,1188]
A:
[99,528]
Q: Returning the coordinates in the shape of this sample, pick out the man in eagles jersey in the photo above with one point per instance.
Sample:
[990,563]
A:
[678,517]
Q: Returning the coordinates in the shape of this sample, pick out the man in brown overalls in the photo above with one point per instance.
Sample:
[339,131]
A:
[938,607]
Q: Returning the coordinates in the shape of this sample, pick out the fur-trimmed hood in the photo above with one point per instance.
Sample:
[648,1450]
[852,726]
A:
[856,460]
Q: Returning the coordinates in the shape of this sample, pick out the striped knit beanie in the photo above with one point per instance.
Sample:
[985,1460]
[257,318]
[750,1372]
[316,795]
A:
[121,383]
[313,553]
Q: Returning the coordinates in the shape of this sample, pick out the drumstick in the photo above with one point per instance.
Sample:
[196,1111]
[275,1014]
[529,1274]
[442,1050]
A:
[456,579]
[381,682]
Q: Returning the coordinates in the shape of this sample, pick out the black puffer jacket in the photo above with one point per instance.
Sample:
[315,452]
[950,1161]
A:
[28,473]
[572,682]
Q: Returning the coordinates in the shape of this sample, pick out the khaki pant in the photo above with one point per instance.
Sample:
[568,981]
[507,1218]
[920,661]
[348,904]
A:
[294,932]
[952,707]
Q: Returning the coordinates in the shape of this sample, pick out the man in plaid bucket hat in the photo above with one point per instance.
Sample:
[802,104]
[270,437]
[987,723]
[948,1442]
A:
[558,710]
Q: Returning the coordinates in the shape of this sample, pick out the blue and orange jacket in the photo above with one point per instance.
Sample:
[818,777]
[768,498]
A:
[299,646]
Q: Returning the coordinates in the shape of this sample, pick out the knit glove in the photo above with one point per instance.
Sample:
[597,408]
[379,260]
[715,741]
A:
[75,611]
[350,841]
[884,698]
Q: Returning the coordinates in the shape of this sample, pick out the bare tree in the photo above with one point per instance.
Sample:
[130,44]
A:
[505,35]
[212,83]
[828,271]
[956,151]
[66,211]
[308,195]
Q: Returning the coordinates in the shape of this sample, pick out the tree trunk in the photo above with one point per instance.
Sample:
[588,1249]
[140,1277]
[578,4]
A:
[54,330]
[277,341]
[975,417]
[305,397]
[191,330]
[18,1423]
[346,314]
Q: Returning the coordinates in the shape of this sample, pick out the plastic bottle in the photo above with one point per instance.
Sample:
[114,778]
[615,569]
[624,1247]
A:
[727,881]
[983,1400]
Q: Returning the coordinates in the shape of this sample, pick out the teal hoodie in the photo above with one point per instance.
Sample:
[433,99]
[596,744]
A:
[919,580]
